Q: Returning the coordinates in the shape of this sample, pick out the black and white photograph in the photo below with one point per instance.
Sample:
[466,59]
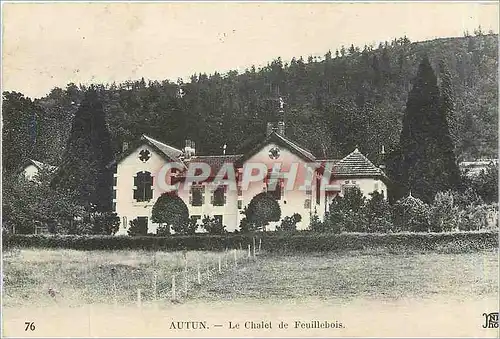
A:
[250,169]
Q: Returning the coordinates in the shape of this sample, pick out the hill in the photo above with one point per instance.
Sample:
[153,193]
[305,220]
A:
[354,96]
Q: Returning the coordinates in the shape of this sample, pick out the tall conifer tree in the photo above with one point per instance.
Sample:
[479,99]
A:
[83,168]
[428,163]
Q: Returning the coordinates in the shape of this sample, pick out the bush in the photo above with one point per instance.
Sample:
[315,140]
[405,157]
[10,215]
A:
[443,213]
[289,224]
[411,214]
[301,241]
[473,218]
[213,225]
[378,214]
[137,227]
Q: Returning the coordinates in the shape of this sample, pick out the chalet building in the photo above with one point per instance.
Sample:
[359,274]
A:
[138,176]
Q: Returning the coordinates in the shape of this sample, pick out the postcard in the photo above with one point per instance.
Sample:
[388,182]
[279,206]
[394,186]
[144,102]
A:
[250,169]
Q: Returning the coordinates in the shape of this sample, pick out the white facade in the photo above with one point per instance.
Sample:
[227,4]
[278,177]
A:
[150,156]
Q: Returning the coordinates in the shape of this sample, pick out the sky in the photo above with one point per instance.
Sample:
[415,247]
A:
[47,45]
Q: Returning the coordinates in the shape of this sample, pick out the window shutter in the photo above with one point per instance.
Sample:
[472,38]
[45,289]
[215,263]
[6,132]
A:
[212,198]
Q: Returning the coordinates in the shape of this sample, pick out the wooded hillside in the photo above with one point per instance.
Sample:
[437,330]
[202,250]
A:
[353,96]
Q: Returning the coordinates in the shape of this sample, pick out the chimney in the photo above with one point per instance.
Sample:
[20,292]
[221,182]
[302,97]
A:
[382,158]
[281,128]
[189,150]
[124,146]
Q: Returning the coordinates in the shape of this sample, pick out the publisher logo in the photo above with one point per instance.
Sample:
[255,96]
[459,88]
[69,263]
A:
[490,320]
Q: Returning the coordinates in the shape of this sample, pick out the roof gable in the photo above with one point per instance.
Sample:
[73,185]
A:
[281,141]
[166,151]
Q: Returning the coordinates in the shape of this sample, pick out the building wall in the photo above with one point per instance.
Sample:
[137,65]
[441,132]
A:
[365,185]
[126,207]
[292,201]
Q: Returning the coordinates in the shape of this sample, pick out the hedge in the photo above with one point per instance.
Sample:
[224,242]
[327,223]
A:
[271,242]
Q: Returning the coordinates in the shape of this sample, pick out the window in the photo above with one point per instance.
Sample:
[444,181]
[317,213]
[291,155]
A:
[275,191]
[240,191]
[318,191]
[307,203]
[124,222]
[143,182]
[240,204]
[197,195]
[219,196]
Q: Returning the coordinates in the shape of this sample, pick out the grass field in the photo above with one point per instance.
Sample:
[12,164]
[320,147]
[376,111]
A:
[103,277]
[398,292]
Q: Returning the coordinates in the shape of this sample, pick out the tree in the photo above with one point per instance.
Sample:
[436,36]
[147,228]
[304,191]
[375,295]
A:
[18,130]
[428,162]
[213,225]
[443,213]
[262,209]
[289,224]
[26,203]
[106,223]
[171,210]
[410,214]
[378,213]
[84,168]
[486,184]
[448,102]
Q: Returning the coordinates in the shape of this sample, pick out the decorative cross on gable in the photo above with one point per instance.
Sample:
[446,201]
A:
[144,155]
[274,153]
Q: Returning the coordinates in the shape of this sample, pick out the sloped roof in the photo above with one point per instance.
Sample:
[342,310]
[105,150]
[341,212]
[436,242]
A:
[168,150]
[355,165]
[282,141]
[164,150]
[215,161]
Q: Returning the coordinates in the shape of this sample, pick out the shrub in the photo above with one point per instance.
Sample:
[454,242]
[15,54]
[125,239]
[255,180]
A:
[289,224]
[473,218]
[301,241]
[213,225]
[316,224]
[411,214]
[105,223]
[378,214]
[137,227]
[443,213]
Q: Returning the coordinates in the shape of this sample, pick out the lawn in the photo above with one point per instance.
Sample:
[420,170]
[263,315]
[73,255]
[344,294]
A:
[107,277]
[371,292]
[81,277]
